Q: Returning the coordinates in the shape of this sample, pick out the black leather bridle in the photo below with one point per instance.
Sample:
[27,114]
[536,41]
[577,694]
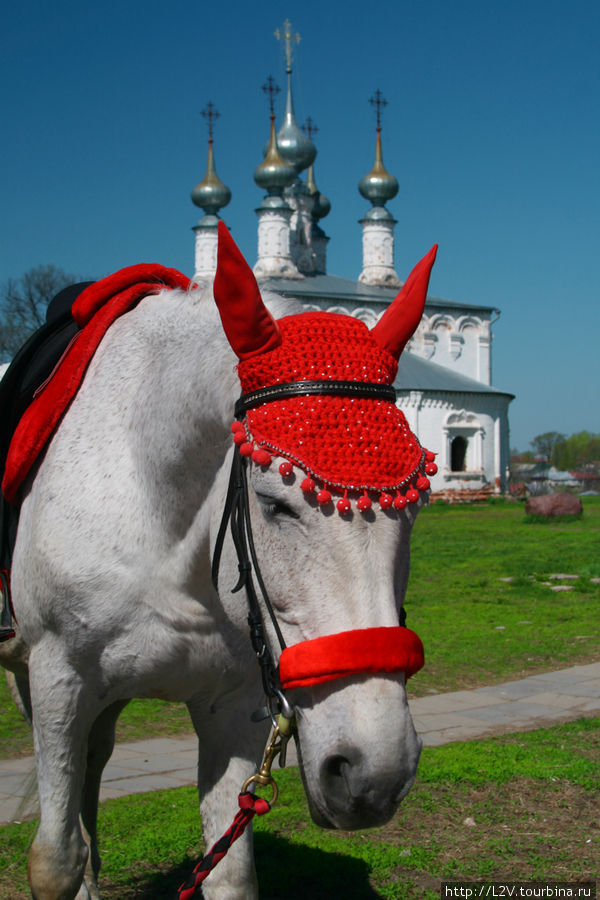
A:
[237,514]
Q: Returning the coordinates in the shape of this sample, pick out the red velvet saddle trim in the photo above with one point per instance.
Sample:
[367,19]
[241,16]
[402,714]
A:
[351,653]
[95,310]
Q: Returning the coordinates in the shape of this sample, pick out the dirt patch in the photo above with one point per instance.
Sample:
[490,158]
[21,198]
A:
[522,830]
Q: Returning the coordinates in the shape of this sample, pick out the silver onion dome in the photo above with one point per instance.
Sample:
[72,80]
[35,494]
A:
[293,144]
[275,173]
[378,186]
[211,194]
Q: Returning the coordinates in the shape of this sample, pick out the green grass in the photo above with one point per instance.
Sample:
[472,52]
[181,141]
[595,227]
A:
[477,629]
[532,798]
[15,734]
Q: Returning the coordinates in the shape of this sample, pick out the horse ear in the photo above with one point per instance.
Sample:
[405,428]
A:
[249,326]
[401,319]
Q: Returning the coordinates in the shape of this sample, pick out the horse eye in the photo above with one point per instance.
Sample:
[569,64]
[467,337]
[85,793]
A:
[272,508]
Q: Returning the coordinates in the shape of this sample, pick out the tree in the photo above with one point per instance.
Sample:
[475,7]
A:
[23,303]
[544,444]
[579,451]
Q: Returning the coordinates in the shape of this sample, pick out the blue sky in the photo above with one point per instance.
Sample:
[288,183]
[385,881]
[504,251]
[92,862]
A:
[492,130]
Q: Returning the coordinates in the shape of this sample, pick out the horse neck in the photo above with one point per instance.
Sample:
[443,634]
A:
[184,393]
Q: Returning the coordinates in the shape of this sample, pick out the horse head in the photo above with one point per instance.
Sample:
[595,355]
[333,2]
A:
[336,478]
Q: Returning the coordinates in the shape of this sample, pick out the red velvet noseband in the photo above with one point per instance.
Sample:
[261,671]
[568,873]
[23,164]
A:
[351,653]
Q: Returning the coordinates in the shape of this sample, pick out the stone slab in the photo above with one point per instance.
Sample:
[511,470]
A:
[440,718]
[510,690]
[439,722]
[156,762]
[565,676]
[151,782]
[589,688]
[562,701]
[448,703]
[517,711]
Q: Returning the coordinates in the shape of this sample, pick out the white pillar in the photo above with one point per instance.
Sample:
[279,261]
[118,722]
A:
[274,257]
[484,358]
[378,248]
[205,256]
[498,474]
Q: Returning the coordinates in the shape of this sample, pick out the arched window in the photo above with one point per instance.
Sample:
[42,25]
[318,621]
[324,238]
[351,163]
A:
[458,453]
[463,450]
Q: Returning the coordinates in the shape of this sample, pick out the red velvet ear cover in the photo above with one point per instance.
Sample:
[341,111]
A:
[367,650]
[249,326]
[401,319]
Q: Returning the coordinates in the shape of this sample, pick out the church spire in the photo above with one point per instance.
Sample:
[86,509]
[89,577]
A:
[210,195]
[273,175]
[378,186]
[293,145]
[378,224]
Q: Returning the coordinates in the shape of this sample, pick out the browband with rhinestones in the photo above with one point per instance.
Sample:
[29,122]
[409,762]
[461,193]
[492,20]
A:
[371,389]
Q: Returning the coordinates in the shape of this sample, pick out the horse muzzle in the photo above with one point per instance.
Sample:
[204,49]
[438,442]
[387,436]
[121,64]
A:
[357,796]
[358,750]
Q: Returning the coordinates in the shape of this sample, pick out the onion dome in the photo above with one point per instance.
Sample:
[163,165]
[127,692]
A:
[293,144]
[378,186]
[211,194]
[274,173]
[321,205]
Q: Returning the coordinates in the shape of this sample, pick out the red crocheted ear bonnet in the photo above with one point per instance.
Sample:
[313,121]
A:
[354,440]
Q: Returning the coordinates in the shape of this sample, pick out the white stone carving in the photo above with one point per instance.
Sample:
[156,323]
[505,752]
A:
[456,345]
[378,253]
[274,257]
[205,256]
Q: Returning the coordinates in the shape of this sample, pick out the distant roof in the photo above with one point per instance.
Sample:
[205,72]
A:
[331,287]
[418,374]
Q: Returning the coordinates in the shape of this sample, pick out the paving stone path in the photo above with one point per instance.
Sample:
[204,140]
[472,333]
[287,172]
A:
[440,719]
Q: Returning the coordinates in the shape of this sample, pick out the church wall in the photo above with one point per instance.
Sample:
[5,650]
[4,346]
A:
[455,340]
[469,433]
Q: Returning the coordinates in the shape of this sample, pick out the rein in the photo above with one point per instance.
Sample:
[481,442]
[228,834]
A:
[237,513]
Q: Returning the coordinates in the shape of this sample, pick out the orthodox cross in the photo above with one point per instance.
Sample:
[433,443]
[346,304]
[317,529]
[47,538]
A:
[211,114]
[309,128]
[272,90]
[288,37]
[379,102]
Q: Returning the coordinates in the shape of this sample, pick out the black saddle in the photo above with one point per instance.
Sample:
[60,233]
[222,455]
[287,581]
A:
[30,368]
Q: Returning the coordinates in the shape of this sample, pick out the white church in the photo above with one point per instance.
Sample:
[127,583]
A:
[443,381]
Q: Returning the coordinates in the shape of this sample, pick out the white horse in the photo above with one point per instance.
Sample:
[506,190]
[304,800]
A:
[112,591]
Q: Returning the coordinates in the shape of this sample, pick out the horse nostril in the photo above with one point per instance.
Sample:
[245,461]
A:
[335,772]
[358,794]
[343,777]
[334,767]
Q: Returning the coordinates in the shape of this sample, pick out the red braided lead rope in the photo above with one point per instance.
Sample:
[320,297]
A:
[250,806]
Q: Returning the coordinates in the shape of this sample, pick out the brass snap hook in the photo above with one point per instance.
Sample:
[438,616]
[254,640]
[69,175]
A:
[264,777]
